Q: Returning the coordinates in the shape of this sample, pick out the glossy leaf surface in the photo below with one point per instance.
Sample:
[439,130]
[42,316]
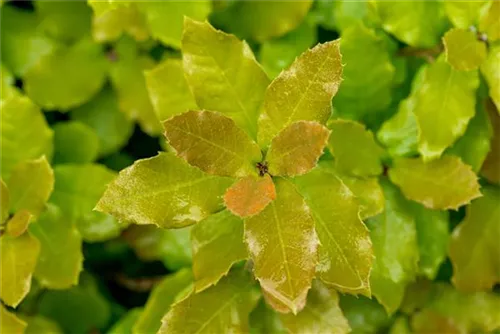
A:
[462,50]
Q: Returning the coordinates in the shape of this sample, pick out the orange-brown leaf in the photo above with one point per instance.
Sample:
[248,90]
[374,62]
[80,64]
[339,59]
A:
[250,195]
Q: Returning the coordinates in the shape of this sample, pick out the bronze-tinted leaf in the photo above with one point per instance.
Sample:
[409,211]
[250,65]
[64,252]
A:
[250,195]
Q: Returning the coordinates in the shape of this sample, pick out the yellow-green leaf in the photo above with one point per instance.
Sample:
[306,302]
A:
[250,195]
[302,92]
[18,259]
[217,243]
[61,258]
[488,22]
[463,14]
[75,142]
[38,324]
[446,183]
[223,308]
[123,18]
[168,89]
[491,166]
[283,246]
[491,72]
[296,149]
[4,202]
[143,193]
[237,82]
[474,248]
[10,323]
[25,133]
[19,223]
[354,149]
[462,49]
[213,143]
[444,105]
[345,250]
[161,300]
[321,314]
[125,324]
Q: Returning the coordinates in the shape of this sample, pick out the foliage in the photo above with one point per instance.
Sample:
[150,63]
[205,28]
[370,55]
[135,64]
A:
[250,167]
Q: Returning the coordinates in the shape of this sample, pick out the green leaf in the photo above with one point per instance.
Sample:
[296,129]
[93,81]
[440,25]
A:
[150,243]
[489,69]
[125,324]
[366,89]
[400,326]
[404,21]
[77,310]
[165,19]
[462,49]
[250,195]
[25,134]
[364,315]
[446,183]
[264,320]
[103,115]
[345,250]
[38,324]
[463,14]
[321,314]
[237,81]
[75,142]
[23,44]
[220,309]
[443,106]
[4,202]
[491,166]
[488,22]
[262,20]
[65,21]
[217,243]
[474,247]
[10,323]
[7,88]
[102,6]
[161,300]
[296,149]
[61,259]
[97,227]
[302,92]
[18,259]
[213,143]
[19,223]
[67,77]
[354,149]
[127,79]
[30,186]
[143,193]
[168,89]
[394,238]
[474,145]
[277,54]
[285,269]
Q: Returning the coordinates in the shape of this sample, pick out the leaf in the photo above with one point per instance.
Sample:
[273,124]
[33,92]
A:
[321,314]
[474,246]
[25,134]
[75,142]
[19,223]
[213,143]
[400,326]
[404,21]
[125,324]
[217,244]
[4,202]
[18,259]
[462,49]
[262,20]
[161,300]
[220,309]
[302,92]
[143,193]
[296,149]
[10,323]
[264,320]
[444,105]
[38,324]
[364,315]
[488,22]
[65,21]
[169,90]
[102,114]
[129,83]
[61,258]
[366,89]
[345,250]
[97,227]
[283,245]
[489,69]
[250,195]
[491,166]
[394,237]
[165,19]
[354,149]
[67,77]
[150,243]
[446,183]
[340,15]
[463,14]
[237,81]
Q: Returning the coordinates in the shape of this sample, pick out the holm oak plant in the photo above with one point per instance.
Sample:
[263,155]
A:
[297,167]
